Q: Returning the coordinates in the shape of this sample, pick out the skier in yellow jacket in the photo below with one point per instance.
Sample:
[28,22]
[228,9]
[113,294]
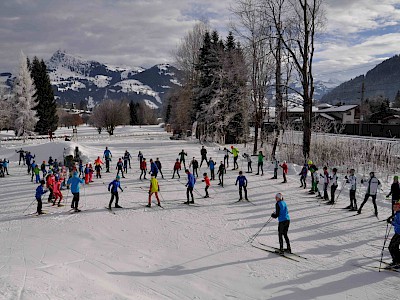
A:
[154,189]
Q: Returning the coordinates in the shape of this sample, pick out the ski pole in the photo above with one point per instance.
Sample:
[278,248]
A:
[28,206]
[384,243]
[343,186]
[252,238]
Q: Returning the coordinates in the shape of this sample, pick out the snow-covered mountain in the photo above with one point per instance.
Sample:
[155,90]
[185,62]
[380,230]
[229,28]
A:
[75,79]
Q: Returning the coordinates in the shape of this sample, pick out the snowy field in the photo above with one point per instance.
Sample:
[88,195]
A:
[181,252]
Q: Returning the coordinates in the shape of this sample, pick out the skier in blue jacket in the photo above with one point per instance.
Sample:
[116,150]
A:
[211,165]
[113,188]
[190,186]
[282,213]
[107,156]
[242,185]
[75,183]
[153,168]
[40,191]
[395,241]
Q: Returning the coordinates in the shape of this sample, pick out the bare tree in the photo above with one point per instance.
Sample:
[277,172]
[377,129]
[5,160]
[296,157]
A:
[110,114]
[250,28]
[304,18]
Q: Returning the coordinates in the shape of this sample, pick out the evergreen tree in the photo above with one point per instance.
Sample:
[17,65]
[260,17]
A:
[24,100]
[133,113]
[396,102]
[46,105]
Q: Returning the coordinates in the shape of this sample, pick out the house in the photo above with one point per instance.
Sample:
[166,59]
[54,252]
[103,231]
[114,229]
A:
[345,114]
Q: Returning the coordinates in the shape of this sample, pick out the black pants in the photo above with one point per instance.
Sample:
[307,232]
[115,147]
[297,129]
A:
[189,190]
[183,161]
[51,195]
[212,174]
[23,160]
[312,182]
[75,200]
[29,168]
[275,173]
[235,164]
[353,201]
[221,179]
[126,168]
[333,190]
[162,175]
[326,197]
[107,165]
[177,172]
[245,192]
[303,181]
[249,168]
[114,194]
[39,205]
[120,170]
[195,172]
[284,177]
[206,190]
[203,158]
[143,173]
[283,229]
[394,248]
[260,166]
[373,197]
[226,160]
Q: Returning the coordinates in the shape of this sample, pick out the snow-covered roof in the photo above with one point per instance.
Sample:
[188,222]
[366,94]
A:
[341,108]
[300,109]
[327,117]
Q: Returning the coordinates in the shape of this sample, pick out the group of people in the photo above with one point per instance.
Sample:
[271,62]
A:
[54,177]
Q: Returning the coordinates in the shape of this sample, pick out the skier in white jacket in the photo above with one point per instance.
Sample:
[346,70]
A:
[372,188]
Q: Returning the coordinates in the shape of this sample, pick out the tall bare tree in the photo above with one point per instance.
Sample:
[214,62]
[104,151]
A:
[304,18]
[109,114]
[250,28]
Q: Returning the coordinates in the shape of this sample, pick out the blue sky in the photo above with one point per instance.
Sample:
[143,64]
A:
[358,34]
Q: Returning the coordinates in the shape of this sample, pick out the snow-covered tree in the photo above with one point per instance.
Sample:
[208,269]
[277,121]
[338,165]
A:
[24,100]
[5,109]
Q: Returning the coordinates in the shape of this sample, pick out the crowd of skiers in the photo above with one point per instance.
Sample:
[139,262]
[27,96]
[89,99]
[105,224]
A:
[53,177]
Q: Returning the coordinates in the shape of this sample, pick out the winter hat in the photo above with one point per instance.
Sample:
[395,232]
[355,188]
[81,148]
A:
[279,196]
[231,147]
[310,162]
[118,177]
[396,177]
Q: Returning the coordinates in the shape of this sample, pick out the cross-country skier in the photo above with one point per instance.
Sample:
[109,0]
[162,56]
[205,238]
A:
[36,171]
[50,161]
[203,153]
[91,171]
[81,169]
[153,168]
[195,165]
[154,189]
[334,185]
[120,167]
[40,191]
[326,183]
[97,166]
[28,160]
[75,183]
[113,188]
[177,167]
[143,169]
[57,192]
[260,163]
[395,241]
[275,164]
[352,180]
[159,166]
[5,166]
[50,180]
[182,155]
[242,180]
[220,172]
[235,153]
[87,172]
[373,184]
[191,181]
[33,166]
[208,184]
[21,156]
[248,159]
[126,162]
[303,176]
[313,168]
[128,156]
[211,165]
[140,157]
[394,192]
[107,156]
[282,213]
[284,167]
[226,157]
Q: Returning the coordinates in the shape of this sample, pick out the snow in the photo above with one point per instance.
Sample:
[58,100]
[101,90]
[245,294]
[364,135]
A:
[101,80]
[150,104]
[181,252]
[132,85]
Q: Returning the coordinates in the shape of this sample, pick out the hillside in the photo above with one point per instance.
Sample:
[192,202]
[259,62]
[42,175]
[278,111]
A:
[384,79]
